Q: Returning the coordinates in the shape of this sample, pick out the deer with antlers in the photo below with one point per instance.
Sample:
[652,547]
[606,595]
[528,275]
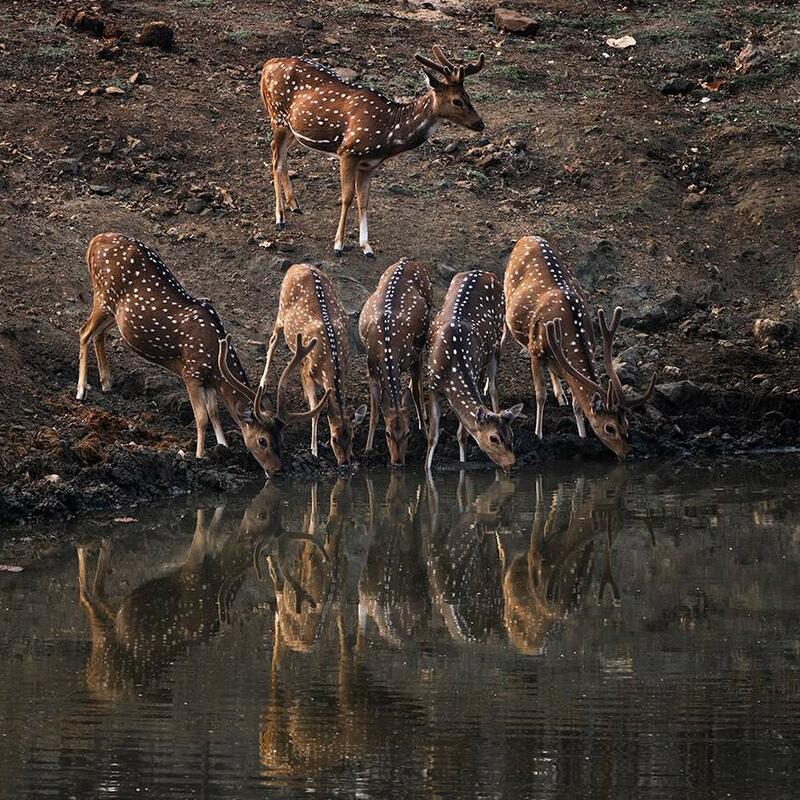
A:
[393,327]
[547,313]
[309,308]
[309,103]
[162,322]
[463,351]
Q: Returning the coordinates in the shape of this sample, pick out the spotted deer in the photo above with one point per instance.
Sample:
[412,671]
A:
[308,103]
[547,313]
[309,308]
[463,351]
[164,324]
[393,327]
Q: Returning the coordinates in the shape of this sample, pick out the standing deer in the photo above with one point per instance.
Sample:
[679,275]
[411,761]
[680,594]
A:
[309,308]
[464,350]
[161,321]
[393,327]
[309,103]
[547,313]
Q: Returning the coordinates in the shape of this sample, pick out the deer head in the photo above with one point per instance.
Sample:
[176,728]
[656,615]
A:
[494,434]
[343,431]
[446,79]
[398,428]
[262,425]
[608,412]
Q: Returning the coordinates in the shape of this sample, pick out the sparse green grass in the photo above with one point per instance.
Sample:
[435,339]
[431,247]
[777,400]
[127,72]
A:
[239,35]
[782,69]
[56,52]
[511,73]
[198,3]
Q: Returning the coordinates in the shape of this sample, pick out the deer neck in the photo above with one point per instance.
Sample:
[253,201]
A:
[412,123]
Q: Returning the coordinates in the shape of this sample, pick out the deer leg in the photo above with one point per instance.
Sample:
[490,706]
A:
[212,407]
[579,421]
[491,385]
[462,442]
[277,146]
[434,411]
[197,397]
[310,388]
[88,332]
[100,354]
[541,392]
[362,196]
[347,173]
[558,389]
[374,400]
[277,330]
[416,392]
[286,181]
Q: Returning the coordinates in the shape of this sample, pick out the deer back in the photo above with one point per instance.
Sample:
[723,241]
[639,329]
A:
[155,314]
[393,324]
[540,288]
[309,306]
[464,334]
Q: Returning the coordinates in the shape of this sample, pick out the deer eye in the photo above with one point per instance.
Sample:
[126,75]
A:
[494,439]
[458,102]
[262,441]
[611,430]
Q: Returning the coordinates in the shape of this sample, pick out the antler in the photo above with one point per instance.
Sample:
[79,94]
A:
[552,332]
[300,352]
[615,385]
[242,388]
[448,68]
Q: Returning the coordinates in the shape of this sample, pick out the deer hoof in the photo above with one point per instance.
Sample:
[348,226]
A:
[280,225]
[297,210]
[337,252]
[106,388]
[80,396]
[370,254]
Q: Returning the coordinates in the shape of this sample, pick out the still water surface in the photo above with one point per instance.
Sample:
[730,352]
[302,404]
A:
[603,633]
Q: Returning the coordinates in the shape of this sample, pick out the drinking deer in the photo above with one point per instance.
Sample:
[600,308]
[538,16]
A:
[393,327]
[309,103]
[547,313]
[163,323]
[464,350]
[309,308]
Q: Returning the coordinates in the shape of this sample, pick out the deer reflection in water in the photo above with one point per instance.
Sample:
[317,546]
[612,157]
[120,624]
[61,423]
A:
[134,640]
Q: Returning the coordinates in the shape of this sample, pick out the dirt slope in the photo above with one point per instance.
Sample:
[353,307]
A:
[683,208]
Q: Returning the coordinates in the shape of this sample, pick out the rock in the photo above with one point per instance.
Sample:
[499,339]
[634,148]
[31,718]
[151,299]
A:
[285,247]
[106,147]
[397,188]
[137,77]
[281,264]
[157,34]
[693,200]
[346,74]
[509,21]
[54,479]
[100,188]
[600,261]
[658,316]
[83,21]
[68,166]
[114,90]
[633,356]
[194,205]
[751,57]
[309,23]
[621,42]
[679,393]
[678,86]
[772,332]
[671,372]
[453,147]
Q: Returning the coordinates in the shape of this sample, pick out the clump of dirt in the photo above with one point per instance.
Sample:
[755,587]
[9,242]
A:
[681,207]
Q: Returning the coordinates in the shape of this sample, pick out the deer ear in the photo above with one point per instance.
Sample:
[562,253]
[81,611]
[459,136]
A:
[245,413]
[597,403]
[480,415]
[510,414]
[433,82]
[358,417]
[408,400]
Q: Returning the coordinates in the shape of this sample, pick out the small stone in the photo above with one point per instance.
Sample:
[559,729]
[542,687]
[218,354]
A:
[137,77]
[772,332]
[505,19]
[453,147]
[194,205]
[105,147]
[346,74]
[68,166]
[114,90]
[54,478]
[100,188]
[693,200]
[157,34]
[678,86]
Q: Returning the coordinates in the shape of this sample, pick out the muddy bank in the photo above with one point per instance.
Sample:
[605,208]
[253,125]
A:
[95,460]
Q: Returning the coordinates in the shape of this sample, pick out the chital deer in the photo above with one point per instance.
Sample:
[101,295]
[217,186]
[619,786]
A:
[309,308]
[309,103]
[547,313]
[464,350]
[163,323]
[393,327]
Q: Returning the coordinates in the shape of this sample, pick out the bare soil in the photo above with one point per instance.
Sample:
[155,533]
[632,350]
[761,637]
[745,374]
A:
[683,208]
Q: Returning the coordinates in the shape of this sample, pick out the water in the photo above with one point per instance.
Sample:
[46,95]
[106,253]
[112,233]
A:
[592,633]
